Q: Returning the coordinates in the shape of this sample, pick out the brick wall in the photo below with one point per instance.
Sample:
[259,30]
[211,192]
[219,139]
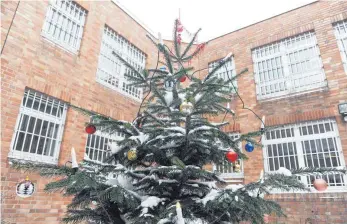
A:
[29,60]
[319,17]
[311,209]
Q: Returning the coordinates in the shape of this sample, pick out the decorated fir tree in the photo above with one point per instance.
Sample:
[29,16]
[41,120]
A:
[155,173]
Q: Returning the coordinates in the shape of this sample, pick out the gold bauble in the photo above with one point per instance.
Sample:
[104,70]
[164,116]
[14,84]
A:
[132,154]
[186,107]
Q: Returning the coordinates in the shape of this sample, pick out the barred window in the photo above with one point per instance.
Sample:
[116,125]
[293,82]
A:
[39,128]
[226,72]
[97,146]
[289,66]
[111,71]
[228,169]
[341,36]
[64,24]
[308,144]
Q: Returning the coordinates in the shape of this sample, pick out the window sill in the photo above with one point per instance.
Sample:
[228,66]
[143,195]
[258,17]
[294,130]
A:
[29,157]
[342,189]
[108,86]
[232,175]
[48,39]
[265,99]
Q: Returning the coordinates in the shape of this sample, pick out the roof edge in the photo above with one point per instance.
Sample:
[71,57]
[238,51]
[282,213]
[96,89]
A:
[133,17]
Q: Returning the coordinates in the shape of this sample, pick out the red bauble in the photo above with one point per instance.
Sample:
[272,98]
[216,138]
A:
[179,28]
[183,78]
[231,156]
[90,129]
[320,184]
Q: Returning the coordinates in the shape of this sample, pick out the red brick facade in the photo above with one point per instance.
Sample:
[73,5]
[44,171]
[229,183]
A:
[28,60]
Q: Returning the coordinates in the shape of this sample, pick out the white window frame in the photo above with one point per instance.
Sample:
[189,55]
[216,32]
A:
[43,102]
[64,24]
[96,147]
[111,70]
[298,140]
[340,30]
[229,165]
[288,67]
[225,73]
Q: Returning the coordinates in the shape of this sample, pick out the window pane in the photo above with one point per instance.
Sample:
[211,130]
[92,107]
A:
[302,65]
[269,150]
[318,148]
[340,33]
[20,141]
[38,126]
[60,28]
[41,145]
[24,122]
[44,128]
[34,126]
[111,71]
[27,142]
[34,144]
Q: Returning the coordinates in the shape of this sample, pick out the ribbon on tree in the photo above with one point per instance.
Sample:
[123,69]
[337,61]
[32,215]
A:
[179,30]
[179,38]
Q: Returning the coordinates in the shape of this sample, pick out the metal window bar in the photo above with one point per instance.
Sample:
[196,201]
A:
[38,127]
[111,72]
[288,66]
[97,145]
[64,24]
[307,144]
[225,73]
[340,29]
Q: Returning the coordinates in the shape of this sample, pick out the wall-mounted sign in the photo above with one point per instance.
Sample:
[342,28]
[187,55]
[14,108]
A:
[25,188]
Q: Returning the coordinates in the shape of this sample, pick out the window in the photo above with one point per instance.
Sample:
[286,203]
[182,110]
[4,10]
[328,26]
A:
[309,144]
[39,128]
[97,147]
[287,67]
[110,69]
[64,24]
[225,72]
[341,35]
[228,169]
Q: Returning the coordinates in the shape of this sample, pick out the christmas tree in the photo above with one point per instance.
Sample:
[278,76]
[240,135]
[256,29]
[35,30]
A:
[155,173]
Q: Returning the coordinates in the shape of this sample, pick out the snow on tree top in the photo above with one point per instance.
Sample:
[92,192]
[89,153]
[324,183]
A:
[162,137]
[182,96]
[169,144]
[167,181]
[201,128]
[198,97]
[114,147]
[141,138]
[152,201]
[210,196]
[164,221]
[234,187]
[194,167]
[210,184]
[176,128]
